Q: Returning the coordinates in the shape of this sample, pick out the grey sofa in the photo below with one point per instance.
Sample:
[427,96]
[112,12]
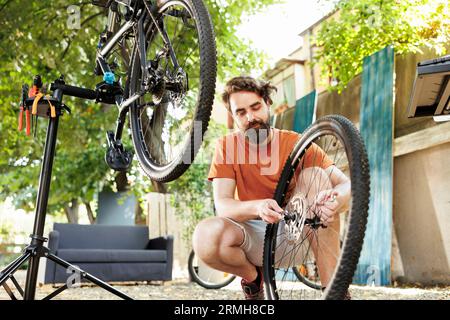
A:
[110,253]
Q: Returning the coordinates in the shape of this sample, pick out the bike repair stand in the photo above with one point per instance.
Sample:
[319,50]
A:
[36,249]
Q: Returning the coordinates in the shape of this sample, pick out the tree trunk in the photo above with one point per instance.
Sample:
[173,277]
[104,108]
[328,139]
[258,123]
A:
[159,187]
[72,211]
[140,218]
[121,181]
[90,212]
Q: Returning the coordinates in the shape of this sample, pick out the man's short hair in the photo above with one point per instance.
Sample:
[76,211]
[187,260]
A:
[245,83]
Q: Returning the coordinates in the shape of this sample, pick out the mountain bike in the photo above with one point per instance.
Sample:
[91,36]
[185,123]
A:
[168,57]
[158,61]
[206,276]
[301,237]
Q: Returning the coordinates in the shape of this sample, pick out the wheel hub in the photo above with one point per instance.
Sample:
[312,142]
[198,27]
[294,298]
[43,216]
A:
[179,87]
[159,85]
[295,219]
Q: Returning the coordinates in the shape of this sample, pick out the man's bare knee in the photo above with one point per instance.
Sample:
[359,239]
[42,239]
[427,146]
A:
[207,238]
[313,179]
[313,173]
[211,234]
[207,233]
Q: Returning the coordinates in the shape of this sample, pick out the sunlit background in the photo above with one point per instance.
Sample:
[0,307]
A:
[275,31]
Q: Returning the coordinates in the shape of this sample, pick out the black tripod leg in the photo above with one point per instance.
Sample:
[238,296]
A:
[30,282]
[89,277]
[56,292]
[9,292]
[13,266]
[17,285]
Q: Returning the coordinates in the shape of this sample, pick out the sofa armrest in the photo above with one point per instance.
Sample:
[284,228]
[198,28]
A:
[50,268]
[160,243]
[53,241]
[169,247]
[164,243]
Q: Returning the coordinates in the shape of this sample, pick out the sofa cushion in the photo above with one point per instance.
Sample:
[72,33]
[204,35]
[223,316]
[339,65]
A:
[136,271]
[112,255]
[79,236]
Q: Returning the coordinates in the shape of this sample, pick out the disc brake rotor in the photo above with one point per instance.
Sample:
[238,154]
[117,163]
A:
[293,227]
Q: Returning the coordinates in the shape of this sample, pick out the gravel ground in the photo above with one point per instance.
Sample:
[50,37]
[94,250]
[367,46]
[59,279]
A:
[182,289]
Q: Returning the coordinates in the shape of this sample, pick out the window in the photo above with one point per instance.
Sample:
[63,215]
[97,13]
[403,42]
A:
[286,92]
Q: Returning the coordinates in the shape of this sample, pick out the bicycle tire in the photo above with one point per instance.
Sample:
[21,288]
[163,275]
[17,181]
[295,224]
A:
[205,283]
[348,135]
[304,279]
[208,70]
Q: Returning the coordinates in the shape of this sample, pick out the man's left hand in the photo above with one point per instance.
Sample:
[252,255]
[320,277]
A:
[326,205]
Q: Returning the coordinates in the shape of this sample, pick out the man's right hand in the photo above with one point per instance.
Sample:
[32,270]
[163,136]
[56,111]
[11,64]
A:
[269,211]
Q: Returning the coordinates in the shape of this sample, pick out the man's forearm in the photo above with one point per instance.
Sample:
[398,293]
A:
[237,210]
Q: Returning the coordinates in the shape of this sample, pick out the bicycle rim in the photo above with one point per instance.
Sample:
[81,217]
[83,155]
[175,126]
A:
[335,248]
[308,274]
[207,277]
[169,121]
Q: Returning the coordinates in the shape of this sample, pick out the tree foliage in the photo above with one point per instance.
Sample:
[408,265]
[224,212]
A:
[191,194]
[362,27]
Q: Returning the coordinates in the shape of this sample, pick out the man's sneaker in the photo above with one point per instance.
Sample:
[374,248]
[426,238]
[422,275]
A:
[252,290]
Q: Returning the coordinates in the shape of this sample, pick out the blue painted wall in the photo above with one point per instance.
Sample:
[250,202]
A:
[376,126]
[304,112]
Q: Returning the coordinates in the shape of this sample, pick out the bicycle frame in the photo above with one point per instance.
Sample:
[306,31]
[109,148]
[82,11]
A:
[103,53]
[138,10]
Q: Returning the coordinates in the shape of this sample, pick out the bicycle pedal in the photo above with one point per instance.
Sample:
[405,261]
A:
[116,157]
[118,160]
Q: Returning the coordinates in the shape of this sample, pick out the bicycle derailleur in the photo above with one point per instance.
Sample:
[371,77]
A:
[117,157]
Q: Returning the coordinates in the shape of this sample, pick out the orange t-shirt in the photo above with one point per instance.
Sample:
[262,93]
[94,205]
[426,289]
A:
[257,170]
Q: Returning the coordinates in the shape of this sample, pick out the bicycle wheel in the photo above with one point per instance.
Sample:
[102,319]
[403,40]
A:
[207,277]
[170,118]
[308,274]
[336,247]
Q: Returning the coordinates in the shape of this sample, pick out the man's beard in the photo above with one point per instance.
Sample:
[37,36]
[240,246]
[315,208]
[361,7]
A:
[257,132]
